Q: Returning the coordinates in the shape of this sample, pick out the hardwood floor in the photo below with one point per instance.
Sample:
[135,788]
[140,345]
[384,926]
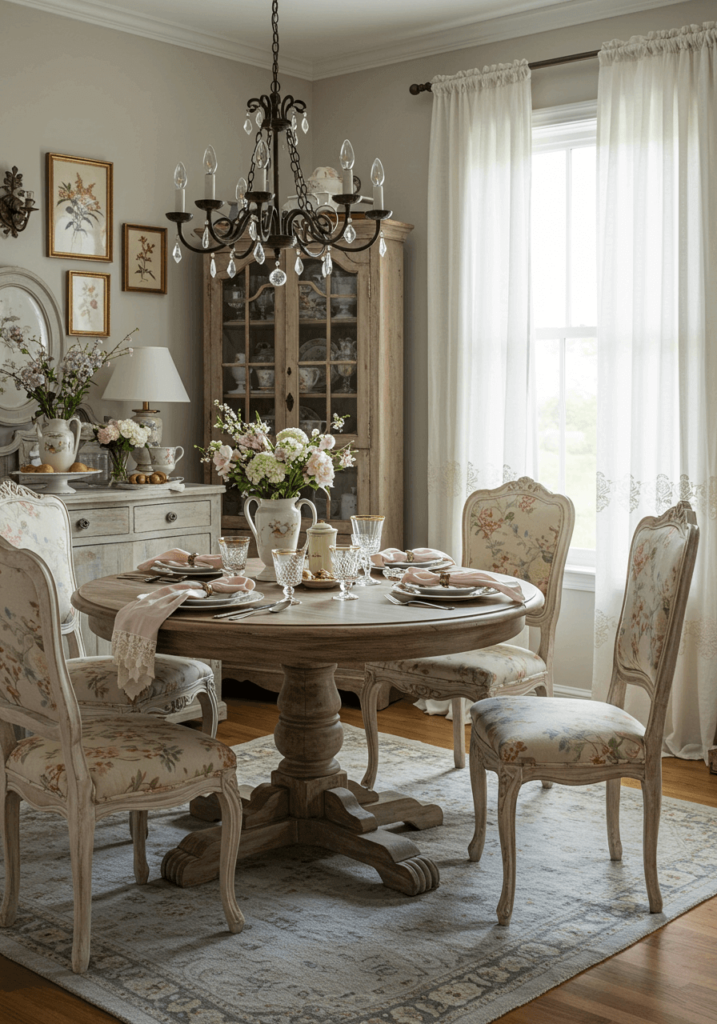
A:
[670,977]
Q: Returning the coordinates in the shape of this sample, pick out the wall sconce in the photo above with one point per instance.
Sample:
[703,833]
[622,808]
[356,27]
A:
[14,209]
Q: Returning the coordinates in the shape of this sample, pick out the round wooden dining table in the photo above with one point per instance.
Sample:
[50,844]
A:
[310,800]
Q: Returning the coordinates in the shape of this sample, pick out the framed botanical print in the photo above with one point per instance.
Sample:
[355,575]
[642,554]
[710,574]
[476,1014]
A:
[88,303]
[79,208]
[144,267]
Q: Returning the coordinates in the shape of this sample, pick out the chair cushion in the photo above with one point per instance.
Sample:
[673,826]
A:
[558,730]
[486,670]
[95,680]
[125,754]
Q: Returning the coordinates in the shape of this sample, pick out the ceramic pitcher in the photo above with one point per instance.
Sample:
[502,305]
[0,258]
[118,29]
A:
[276,524]
[60,442]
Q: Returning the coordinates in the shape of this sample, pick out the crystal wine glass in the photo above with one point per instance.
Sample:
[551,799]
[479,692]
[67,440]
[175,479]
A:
[289,567]
[234,551]
[366,532]
[346,561]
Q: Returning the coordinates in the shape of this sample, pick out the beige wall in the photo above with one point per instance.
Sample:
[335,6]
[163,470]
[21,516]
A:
[70,87]
[375,109]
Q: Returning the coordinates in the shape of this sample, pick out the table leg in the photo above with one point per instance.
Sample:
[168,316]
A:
[311,801]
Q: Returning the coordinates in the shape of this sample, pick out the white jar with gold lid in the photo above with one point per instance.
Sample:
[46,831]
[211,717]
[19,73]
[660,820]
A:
[320,538]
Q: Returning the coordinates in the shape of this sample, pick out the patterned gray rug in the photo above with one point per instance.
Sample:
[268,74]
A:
[326,943]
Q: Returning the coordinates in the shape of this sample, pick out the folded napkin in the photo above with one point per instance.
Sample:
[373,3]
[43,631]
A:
[179,559]
[463,578]
[134,639]
[390,555]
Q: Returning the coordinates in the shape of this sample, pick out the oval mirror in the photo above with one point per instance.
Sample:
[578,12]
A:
[29,318]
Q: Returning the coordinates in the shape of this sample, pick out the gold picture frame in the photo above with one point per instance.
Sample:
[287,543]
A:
[88,304]
[79,208]
[144,259]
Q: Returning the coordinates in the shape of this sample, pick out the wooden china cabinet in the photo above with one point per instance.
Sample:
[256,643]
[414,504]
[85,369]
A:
[311,348]
[299,353]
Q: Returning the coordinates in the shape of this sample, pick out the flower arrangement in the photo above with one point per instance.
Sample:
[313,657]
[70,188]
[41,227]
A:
[255,465]
[120,437]
[58,388]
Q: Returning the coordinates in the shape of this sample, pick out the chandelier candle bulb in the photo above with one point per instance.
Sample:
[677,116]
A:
[347,162]
[210,175]
[180,185]
[377,178]
[262,161]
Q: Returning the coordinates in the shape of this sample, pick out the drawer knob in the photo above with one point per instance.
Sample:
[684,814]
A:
[171,517]
[83,524]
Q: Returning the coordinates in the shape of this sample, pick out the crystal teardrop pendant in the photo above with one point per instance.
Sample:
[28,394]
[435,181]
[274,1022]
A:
[231,266]
[277,277]
[305,124]
[252,229]
[327,264]
[177,251]
[213,267]
[299,265]
[259,118]
[294,124]
[259,255]
[205,238]
[248,128]
[350,233]
[382,248]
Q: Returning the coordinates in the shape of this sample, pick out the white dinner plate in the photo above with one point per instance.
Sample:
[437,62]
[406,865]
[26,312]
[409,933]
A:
[448,593]
[218,601]
[186,570]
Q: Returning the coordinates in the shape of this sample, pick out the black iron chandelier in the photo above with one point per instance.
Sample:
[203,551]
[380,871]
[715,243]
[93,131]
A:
[309,228]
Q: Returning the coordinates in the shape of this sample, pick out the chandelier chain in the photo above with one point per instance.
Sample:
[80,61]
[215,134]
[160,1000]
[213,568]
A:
[275,44]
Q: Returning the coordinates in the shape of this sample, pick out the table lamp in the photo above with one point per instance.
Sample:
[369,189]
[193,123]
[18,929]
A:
[149,371]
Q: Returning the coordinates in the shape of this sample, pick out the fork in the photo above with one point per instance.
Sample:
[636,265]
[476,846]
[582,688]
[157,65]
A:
[422,604]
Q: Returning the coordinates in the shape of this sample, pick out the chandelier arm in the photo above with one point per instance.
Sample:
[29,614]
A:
[194,248]
[237,229]
[359,248]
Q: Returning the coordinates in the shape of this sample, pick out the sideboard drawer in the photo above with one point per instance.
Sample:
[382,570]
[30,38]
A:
[99,522]
[180,516]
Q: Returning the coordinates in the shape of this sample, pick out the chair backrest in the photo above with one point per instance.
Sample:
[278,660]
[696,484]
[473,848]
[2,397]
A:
[35,688]
[659,574]
[522,529]
[40,523]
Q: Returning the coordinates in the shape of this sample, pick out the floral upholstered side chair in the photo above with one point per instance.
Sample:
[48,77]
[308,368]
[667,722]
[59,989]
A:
[579,742]
[41,524]
[520,529]
[85,770]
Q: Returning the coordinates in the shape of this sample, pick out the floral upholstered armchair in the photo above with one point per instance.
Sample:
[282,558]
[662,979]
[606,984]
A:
[520,529]
[578,742]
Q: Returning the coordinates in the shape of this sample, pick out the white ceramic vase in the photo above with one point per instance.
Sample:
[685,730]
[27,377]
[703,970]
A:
[60,442]
[276,524]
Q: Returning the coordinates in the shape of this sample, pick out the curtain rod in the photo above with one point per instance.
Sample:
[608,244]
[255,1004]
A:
[551,62]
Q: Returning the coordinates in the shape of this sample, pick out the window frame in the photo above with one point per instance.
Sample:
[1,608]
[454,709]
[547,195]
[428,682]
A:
[555,128]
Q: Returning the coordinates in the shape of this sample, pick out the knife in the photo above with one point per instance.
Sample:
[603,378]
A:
[249,608]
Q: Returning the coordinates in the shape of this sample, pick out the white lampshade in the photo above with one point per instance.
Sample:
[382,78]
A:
[148,375]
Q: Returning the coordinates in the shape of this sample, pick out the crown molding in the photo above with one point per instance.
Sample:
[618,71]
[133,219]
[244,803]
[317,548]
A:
[413,45]
[516,24]
[108,16]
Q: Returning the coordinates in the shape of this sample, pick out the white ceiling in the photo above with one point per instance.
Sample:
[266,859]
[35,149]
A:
[322,38]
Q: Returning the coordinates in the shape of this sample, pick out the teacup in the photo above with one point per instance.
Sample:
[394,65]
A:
[308,377]
[265,378]
[165,459]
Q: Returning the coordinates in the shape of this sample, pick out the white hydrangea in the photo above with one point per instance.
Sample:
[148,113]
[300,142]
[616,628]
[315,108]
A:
[291,432]
[289,449]
[265,465]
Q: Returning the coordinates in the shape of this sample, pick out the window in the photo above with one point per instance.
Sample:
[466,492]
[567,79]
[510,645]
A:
[564,295]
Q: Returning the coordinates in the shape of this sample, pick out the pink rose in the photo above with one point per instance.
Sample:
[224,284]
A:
[327,441]
[321,467]
[222,460]
[108,434]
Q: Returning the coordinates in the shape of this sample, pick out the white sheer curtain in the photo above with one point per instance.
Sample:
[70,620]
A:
[478,289]
[657,405]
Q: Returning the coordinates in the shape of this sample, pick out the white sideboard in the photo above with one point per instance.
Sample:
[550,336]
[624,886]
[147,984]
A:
[114,530]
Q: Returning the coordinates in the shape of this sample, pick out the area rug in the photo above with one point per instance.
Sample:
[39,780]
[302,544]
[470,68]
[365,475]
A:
[326,943]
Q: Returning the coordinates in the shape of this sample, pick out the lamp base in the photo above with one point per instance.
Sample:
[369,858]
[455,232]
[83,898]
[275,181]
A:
[147,417]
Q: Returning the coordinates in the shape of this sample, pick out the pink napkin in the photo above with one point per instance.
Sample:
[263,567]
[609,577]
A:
[179,559]
[134,639]
[463,578]
[389,555]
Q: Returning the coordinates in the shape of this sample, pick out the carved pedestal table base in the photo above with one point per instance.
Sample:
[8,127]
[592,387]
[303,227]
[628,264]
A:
[311,801]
